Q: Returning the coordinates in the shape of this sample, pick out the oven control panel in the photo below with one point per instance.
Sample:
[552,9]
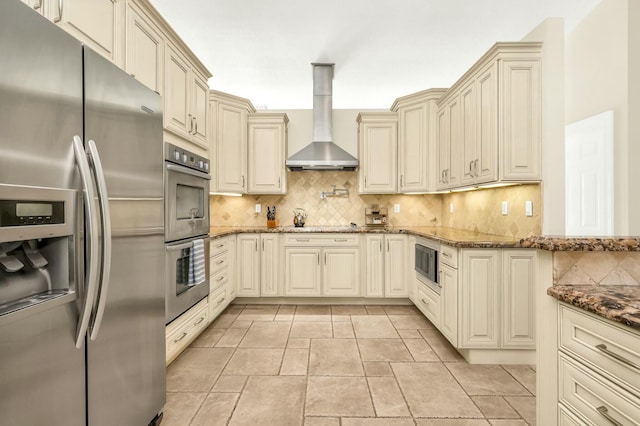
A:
[177,155]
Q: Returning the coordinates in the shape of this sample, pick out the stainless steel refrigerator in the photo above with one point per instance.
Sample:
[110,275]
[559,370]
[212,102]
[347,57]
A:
[81,233]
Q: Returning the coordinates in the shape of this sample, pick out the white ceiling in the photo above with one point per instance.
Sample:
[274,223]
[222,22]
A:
[383,49]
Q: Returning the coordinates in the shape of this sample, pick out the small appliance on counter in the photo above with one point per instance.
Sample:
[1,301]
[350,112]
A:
[376,215]
[299,217]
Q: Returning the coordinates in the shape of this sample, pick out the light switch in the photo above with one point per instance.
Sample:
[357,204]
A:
[396,208]
[528,208]
[258,208]
[504,208]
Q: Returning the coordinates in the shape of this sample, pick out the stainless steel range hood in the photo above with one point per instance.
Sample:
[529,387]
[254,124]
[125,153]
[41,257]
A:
[322,153]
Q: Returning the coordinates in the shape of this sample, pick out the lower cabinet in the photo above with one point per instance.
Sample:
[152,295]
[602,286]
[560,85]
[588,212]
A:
[181,332]
[341,272]
[449,302]
[387,266]
[257,265]
[302,276]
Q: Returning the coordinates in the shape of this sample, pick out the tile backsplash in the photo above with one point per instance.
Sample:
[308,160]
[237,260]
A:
[596,268]
[475,210]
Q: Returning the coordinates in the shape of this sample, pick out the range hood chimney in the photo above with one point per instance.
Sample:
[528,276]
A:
[322,153]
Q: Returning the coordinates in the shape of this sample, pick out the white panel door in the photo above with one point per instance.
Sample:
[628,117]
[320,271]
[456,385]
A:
[302,272]
[341,272]
[374,266]
[248,265]
[269,265]
[589,176]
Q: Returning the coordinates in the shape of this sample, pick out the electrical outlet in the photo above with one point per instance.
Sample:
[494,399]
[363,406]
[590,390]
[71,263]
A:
[396,208]
[450,207]
[528,208]
[258,208]
[504,208]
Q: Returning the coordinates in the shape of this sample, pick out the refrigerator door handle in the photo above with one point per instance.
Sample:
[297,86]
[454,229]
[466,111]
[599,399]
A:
[103,198]
[91,282]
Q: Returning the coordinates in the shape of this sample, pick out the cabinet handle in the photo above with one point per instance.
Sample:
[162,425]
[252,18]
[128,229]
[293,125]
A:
[365,181]
[37,6]
[325,258]
[243,181]
[603,348]
[318,258]
[424,302]
[184,334]
[195,125]
[220,246]
[387,245]
[190,123]
[302,240]
[340,240]
[475,168]
[60,9]
[447,175]
[199,321]
[380,243]
[220,278]
[445,254]
[278,181]
[262,245]
[442,175]
[401,180]
[220,300]
[219,262]
[602,410]
[471,168]
[256,245]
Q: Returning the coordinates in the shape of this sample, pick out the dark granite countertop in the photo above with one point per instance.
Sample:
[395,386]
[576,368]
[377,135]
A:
[560,243]
[617,303]
[450,236]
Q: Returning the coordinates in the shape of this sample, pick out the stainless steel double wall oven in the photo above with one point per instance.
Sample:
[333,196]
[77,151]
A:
[186,216]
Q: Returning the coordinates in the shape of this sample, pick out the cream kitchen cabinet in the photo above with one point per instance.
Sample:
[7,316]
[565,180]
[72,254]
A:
[386,270]
[302,271]
[448,276]
[222,253]
[257,265]
[480,299]
[230,116]
[98,24]
[145,44]
[248,265]
[416,140]
[489,120]
[449,144]
[519,277]
[184,330]
[322,265]
[185,98]
[267,145]
[377,149]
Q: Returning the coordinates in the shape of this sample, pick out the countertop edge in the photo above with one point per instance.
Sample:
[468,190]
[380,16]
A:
[620,304]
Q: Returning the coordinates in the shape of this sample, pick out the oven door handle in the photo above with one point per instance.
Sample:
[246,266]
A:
[178,246]
[187,171]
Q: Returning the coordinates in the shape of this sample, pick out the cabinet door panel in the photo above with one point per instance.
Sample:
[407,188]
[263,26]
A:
[302,272]
[520,113]
[231,148]
[269,265]
[145,50]
[199,108]
[341,272]
[487,124]
[266,158]
[177,117]
[380,157]
[413,148]
[443,146]
[449,303]
[468,133]
[374,268]
[396,266]
[480,316]
[248,266]
[455,144]
[518,298]
[92,22]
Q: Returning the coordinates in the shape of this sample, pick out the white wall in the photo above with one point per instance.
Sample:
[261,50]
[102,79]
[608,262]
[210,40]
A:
[602,66]
[551,33]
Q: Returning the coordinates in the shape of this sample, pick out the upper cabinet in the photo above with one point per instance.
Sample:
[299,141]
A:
[185,98]
[267,144]
[416,140]
[229,150]
[377,147]
[144,49]
[488,123]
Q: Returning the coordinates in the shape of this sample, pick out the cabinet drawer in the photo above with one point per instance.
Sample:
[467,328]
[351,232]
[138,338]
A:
[449,256]
[217,280]
[593,397]
[218,301]
[609,349]
[218,246]
[428,301]
[183,331]
[307,240]
[567,418]
[218,263]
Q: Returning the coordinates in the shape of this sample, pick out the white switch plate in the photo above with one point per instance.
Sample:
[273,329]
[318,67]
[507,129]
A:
[450,207]
[396,208]
[504,208]
[258,208]
[528,208]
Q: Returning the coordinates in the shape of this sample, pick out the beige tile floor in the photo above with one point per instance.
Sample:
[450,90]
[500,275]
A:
[338,365]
